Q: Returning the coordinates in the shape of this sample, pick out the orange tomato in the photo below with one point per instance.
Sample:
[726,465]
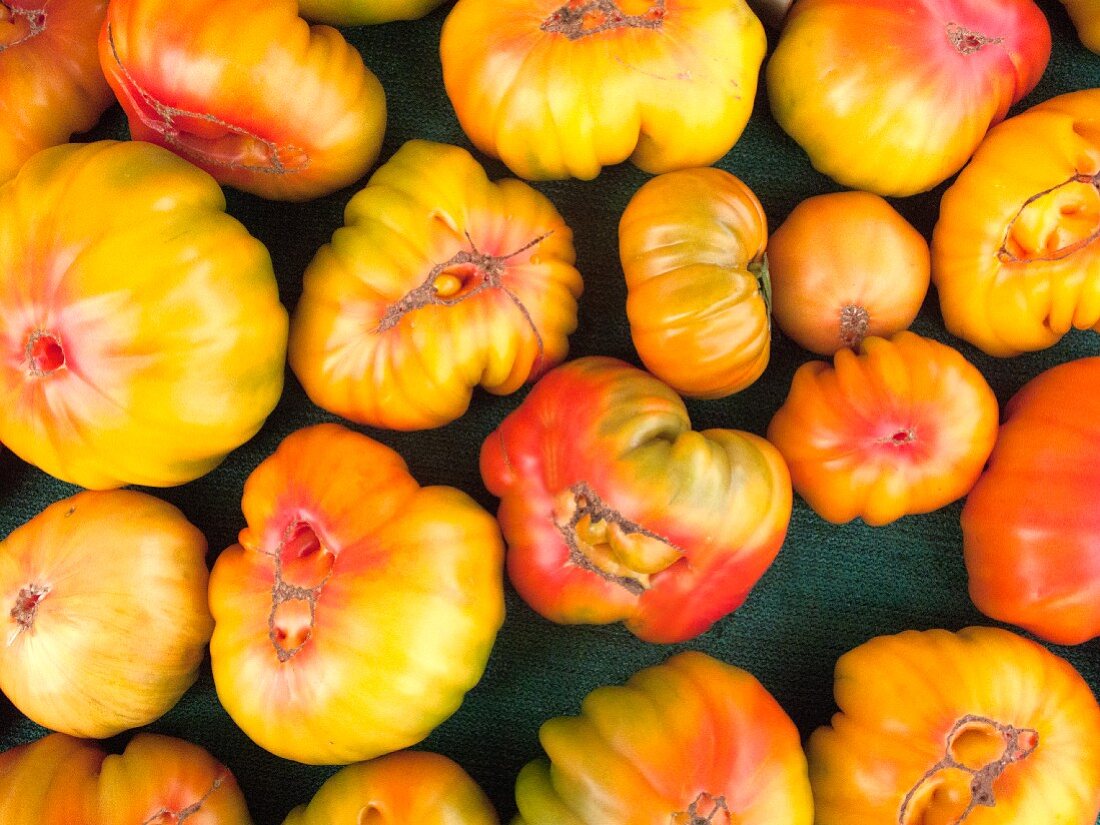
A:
[892,96]
[247,91]
[845,266]
[902,427]
[562,88]
[692,244]
[441,280]
[1086,17]
[50,81]
[939,728]
[1031,527]
[358,608]
[1016,249]
[691,741]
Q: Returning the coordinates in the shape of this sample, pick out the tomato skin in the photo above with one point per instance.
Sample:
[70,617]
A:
[554,99]
[1086,18]
[1016,249]
[51,85]
[149,373]
[358,608]
[1031,530]
[247,91]
[902,427]
[408,786]
[441,280]
[691,243]
[614,509]
[689,738]
[911,702]
[892,96]
[845,266]
[364,12]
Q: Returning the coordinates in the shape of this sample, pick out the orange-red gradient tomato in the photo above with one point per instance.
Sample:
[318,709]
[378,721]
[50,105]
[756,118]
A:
[360,12]
[407,787]
[562,88]
[50,81]
[142,335]
[1031,525]
[358,608]
[246,90]
[1086,17]
[1016,250]
[902,427]
[981,727]
[892,96]
[845,266]
[157,780]
[614,509]
[441,280]
[691,741]
[692,245]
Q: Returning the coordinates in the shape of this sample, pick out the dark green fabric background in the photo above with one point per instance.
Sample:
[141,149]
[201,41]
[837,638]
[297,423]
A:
[831,588]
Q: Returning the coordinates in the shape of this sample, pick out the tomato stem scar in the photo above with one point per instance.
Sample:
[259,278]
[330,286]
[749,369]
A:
[854,322]
[704,810]
[169,817]
[26,608]
[577,18]
[1017,254]
[299,542]
[34,20]
[43,353]
[968,41]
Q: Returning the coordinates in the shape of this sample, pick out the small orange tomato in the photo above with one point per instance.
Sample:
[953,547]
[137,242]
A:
[1086,17]
[407,787]
[358,608]
[981,727]
[50,81]
[247,91]
[691,244]
[562,88]
[845,266]
[902,427]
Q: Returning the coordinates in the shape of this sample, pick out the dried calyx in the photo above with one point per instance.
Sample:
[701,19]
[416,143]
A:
[583,18]
[19,25]
[1055,223]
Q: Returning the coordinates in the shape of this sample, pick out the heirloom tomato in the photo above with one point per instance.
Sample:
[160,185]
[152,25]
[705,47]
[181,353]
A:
[157,780]
[246,90]
[902,427]
[692,245]
[937,728]
[104,612]
[441,280]
[892,96]
[1086,17]
[407,787]
[845,266]
[562,88]
[50,81]
[1016,249]
[358,608]
[614,509]
[1031,525]
[691,741]
[142,335]
[359,12]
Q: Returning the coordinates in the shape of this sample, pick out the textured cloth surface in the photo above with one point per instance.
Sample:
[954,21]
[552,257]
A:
[832,587]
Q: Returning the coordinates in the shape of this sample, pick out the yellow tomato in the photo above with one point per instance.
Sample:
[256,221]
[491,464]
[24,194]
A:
[360,12]
[358,608]
[1086,17]
[562,88]
[143,338]
[938,728]
[692,245]
[440,281]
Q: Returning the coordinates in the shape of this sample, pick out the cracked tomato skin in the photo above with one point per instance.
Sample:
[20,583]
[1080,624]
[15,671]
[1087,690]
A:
[932,723]
[1016,249]
[902,427]
[143,336]
[1031,527]
[407,787]
[59,780]
[358,608]
[691,244]
[440,281]
[893,96]
[614,509]
[247,91]
[693,740]
[364,12]
[562,88]
[51,85]
[1086,18]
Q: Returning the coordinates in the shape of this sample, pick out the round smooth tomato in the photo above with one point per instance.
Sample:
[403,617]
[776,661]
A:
[692,246]
[1031,527]
[893,96]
